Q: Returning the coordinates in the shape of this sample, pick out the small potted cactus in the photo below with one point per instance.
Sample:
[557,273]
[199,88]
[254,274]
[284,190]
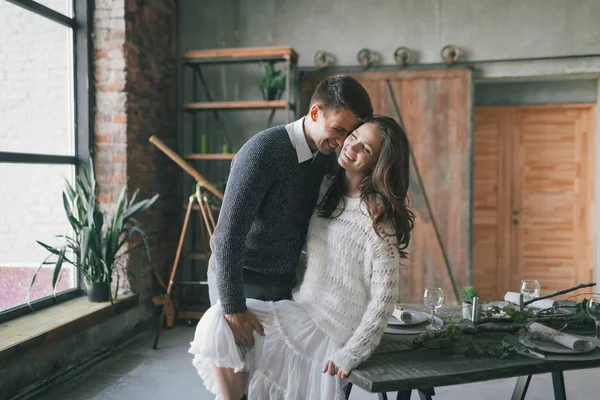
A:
[468,294]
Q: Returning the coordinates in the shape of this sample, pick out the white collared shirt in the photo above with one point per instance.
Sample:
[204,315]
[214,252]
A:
[296,134]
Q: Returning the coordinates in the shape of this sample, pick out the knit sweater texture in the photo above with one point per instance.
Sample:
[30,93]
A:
[262,226]
[351,282]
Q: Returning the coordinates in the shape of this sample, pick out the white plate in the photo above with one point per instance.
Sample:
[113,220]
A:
[418,317]
[412,329]
[550,347]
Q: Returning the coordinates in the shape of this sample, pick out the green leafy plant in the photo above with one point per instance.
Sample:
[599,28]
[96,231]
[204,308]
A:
[468,294]
[272,82]
[98,243]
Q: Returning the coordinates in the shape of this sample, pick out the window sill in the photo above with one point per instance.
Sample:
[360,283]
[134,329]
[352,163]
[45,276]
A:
[56,323]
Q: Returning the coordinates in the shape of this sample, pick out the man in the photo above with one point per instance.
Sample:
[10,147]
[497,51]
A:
[269,198]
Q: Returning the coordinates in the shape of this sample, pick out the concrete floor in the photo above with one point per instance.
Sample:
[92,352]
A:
[139,373]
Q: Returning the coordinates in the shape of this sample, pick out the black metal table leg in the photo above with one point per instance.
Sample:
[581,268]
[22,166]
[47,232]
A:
[521,388]
[382,396]
[405,395]
[348,390]
[425,394]
[558,381]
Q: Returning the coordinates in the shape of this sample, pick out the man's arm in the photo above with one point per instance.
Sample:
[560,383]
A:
[250,178]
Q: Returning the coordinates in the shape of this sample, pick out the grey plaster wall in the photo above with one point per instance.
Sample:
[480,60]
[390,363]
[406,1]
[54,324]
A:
[484,29]
[544,92]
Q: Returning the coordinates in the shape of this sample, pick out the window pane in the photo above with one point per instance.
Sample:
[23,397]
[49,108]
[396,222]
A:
[62,6]
[31,209]
[36,71]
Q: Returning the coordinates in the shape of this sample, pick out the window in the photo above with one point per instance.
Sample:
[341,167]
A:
[44,136]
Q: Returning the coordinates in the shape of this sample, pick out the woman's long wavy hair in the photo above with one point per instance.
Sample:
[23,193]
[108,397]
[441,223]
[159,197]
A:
[384,191]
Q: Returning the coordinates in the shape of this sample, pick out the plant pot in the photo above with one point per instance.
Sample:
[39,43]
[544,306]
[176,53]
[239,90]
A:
[271,94]
[98,292]
[467,310]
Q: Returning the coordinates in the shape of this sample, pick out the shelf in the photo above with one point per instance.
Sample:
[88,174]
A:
[239,55]
[238,105]
[214,156]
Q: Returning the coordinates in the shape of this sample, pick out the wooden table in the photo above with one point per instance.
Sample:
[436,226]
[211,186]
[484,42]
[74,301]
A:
[399,366]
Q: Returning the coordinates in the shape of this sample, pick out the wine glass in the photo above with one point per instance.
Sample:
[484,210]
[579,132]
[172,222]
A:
[593,309]
[530,290]
[433,298]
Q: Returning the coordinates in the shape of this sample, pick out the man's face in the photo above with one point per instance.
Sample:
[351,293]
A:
[331,128]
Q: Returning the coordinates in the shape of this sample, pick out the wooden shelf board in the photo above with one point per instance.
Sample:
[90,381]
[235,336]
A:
[238,105]
[240,54]
[213,156]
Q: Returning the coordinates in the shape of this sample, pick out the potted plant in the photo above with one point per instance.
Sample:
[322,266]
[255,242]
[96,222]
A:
[272,82]
[468,294]
[97,246]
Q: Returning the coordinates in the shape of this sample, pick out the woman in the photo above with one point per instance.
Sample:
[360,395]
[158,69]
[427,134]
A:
[356,239]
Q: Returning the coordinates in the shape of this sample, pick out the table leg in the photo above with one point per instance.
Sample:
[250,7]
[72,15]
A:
[405,395]
[558,381]
[521,388]
[382,396]
[348,390]
[425,394]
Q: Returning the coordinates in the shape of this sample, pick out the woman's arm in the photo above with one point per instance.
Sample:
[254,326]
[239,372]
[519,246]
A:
[384,295]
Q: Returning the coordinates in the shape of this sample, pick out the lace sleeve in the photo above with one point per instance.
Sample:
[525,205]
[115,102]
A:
[384,295]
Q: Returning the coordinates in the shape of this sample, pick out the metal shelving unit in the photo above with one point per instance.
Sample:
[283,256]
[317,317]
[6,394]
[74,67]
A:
[195,60]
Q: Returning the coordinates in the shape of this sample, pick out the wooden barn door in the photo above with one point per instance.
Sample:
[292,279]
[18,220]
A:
[533,196]
[435,107]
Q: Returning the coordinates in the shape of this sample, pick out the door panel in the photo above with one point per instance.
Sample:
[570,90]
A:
[533,196]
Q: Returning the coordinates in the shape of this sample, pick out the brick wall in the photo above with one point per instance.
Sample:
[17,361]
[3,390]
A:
[135,53]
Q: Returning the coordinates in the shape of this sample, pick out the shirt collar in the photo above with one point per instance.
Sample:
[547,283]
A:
[296,133]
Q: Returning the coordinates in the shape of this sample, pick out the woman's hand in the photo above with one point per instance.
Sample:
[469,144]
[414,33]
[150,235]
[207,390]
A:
[333,370]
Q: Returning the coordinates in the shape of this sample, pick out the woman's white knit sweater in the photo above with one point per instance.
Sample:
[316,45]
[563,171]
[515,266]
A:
[350,286]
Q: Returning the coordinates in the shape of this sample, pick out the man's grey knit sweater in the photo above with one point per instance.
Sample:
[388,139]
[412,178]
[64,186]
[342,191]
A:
[262,226]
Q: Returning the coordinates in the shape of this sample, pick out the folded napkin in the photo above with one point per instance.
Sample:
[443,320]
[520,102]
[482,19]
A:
[513,297]
[569,341]
[402,315]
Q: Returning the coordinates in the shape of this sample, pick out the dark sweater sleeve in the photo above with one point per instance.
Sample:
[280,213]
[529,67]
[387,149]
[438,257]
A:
[250,178]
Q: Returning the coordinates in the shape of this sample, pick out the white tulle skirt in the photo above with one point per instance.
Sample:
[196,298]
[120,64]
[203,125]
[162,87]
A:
[286,363]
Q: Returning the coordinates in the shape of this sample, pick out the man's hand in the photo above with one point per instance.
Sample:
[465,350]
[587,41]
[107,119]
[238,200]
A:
[333,370]
[242,324]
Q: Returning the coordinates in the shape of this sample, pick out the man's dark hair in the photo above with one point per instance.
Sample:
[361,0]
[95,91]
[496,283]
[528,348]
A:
[342,91]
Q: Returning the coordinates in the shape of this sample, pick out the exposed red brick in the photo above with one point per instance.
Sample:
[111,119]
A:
[119,118]
[105,198]
[111,87]
[103,138]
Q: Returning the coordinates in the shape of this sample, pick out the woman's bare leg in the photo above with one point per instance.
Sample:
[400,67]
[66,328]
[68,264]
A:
[231,384]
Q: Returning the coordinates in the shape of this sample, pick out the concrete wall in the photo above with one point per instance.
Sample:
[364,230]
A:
[484,29]
[543,92]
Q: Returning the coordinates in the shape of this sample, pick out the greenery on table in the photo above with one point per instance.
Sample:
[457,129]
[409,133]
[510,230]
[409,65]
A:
[468,294]
[506,319]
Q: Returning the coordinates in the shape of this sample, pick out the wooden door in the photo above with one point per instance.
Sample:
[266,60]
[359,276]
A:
[533,196]
[435,106]
[491,201]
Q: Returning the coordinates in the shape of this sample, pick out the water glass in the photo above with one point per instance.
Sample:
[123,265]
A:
[593,309]
[433,298]
[530,290]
